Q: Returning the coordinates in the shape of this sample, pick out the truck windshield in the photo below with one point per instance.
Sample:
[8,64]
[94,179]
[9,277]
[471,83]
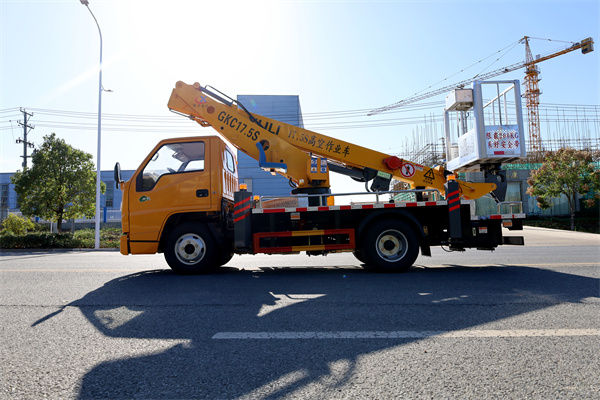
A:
[173,158]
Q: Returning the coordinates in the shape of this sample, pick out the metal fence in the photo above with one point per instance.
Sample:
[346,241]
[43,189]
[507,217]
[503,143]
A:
[106,215]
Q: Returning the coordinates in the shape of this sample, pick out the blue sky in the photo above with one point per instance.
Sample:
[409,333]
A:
[336,55]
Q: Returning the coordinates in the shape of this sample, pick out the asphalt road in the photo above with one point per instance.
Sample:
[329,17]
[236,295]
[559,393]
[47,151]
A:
[521,322]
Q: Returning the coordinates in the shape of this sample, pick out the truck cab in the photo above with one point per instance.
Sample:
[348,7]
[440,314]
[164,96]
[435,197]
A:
[182,180]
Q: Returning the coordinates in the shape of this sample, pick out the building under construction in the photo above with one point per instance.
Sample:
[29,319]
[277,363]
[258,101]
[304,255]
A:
[561,125]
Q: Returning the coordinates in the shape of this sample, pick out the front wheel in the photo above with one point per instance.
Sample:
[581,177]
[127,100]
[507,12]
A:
[191,249]
[390,246]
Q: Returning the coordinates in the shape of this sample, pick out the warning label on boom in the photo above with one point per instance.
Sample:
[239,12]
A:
[407,170]
[429,177]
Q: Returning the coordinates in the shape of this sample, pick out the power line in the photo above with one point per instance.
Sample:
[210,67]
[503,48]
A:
[314,116]
[321,121]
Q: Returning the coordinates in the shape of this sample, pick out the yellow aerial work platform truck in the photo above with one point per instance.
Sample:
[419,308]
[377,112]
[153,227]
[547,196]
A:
[184,199]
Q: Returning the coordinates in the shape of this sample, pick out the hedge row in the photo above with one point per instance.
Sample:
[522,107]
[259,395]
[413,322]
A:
[81,239]
[43,240]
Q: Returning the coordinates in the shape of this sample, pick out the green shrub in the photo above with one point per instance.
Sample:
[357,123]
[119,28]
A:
[43,240]
[591,225]
[109,237]
[17,225]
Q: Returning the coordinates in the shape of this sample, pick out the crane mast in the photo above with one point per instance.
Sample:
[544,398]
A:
[532,96]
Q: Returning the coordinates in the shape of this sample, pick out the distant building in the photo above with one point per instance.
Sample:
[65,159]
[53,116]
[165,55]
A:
[281,108]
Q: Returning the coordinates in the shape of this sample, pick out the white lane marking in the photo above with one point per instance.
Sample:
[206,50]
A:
[496,333]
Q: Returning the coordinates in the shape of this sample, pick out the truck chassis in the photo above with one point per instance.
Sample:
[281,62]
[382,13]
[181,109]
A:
[384,236]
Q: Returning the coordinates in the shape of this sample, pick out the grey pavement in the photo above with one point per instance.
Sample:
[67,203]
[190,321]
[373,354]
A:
[535,236]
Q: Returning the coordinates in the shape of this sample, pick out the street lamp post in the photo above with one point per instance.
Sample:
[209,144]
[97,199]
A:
[97,222]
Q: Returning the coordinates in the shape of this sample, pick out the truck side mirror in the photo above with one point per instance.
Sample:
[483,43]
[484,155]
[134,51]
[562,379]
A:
[117,175]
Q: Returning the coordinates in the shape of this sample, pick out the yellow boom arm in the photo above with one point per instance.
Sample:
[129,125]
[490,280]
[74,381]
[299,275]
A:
[287,149]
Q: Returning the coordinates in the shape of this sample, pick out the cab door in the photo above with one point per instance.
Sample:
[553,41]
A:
[175,179]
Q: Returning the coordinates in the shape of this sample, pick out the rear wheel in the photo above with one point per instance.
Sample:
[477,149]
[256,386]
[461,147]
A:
[191,249]
[389,246]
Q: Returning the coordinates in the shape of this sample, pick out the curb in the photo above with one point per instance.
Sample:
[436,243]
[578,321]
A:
[557,231]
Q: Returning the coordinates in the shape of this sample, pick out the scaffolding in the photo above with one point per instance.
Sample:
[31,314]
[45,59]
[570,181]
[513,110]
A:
[575,126]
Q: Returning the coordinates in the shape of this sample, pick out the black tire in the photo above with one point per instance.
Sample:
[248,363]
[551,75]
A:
[226,257]
[191,249]
[358,256]
[226,252]
[389,246]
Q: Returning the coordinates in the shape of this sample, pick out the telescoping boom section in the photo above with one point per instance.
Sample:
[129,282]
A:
[304,156]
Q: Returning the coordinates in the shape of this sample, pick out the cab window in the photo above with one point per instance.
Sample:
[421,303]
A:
[171,159]
[229,161]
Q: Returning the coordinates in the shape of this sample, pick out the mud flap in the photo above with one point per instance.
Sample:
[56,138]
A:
[242,230]
[454,219]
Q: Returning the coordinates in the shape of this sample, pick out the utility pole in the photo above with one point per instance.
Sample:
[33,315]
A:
[26,144]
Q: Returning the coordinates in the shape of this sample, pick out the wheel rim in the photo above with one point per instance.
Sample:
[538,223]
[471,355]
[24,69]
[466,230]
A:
[190,249]
[391,245]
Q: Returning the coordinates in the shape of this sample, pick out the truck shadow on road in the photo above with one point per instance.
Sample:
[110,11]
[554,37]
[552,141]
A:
[193,310]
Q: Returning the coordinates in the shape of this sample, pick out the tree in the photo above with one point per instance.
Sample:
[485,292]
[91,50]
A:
[569,172]
[61,184]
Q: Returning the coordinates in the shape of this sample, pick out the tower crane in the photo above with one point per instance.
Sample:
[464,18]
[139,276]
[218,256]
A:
[532,92]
